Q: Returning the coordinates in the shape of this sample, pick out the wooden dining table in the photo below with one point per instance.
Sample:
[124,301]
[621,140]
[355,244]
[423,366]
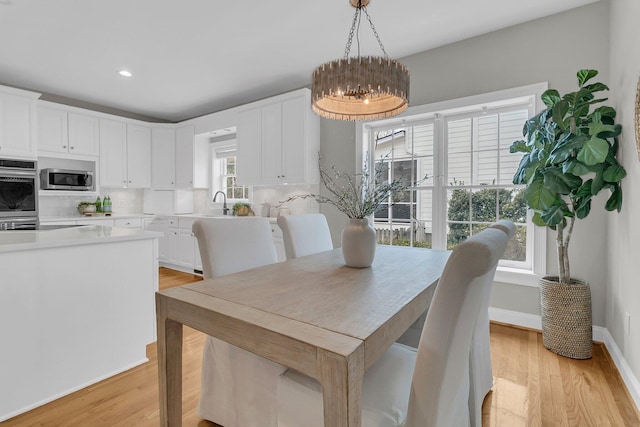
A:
[313,314]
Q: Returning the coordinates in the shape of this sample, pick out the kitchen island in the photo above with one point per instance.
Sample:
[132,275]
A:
[77,306]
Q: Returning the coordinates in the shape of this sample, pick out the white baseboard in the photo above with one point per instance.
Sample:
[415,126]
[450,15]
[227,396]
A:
[600,334]
[627,375]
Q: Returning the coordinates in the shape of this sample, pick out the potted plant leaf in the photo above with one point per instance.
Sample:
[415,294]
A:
[569,157]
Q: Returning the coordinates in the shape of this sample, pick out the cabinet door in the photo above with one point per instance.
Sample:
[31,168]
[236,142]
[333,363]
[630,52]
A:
[272,144]
[294,113]
[162,226]
[163,166]
[52,130]
[197,263]
[174,246]
[186,245]
[249,147]
[16,119]
[184,156]
[84,135]
[138,156]
[113,153]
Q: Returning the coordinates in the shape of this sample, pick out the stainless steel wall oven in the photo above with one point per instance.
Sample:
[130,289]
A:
[18,194]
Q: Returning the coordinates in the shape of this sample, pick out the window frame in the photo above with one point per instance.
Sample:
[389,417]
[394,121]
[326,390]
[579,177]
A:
[536,236]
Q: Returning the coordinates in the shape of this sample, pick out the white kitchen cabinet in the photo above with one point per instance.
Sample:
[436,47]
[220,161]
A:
[66,132]
[278,141]
[125,154]
[17,123]
[161,224]
[189,252]
[278,242]
[249,147]
[185,156]
[163,164]
[113,153]
[174,248]
[84,134]
[138,156]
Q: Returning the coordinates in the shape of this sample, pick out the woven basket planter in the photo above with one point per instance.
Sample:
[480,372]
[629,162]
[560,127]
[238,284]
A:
[566,317]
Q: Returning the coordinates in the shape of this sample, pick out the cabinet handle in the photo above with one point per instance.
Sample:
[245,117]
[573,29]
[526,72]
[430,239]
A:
[64,146]
[71,148]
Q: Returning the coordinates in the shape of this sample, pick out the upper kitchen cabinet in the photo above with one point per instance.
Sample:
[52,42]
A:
[185,136]
[66,132]
[138,156]
[125,154]
[17,123]
[192,157]
[278,141]
[163,151]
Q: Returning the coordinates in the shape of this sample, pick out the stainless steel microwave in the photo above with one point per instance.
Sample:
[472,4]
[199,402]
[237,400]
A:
[66,179]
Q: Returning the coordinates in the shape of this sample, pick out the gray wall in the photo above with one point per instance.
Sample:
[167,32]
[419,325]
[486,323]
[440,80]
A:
[337,147]
[549,50]
[623,285]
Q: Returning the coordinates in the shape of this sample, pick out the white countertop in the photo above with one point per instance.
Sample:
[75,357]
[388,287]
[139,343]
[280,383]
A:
[83,235]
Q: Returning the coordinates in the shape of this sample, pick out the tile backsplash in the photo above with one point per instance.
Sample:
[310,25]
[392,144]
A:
[130,201]
[275,196]
[125,201]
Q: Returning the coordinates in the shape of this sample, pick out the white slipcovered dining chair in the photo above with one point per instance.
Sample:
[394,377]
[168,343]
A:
[427,387]
[305,234]
[480,371]
[237,386]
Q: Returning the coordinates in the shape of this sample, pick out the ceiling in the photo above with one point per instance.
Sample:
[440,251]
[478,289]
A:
[193,57]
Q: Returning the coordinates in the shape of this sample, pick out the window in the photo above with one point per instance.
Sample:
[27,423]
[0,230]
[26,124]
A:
[230,187]
[461,161]
[224,172]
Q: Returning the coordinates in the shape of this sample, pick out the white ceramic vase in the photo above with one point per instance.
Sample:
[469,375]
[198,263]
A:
[358,243]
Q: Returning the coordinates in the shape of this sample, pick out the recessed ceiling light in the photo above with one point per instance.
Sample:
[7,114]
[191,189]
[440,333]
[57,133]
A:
[125,73]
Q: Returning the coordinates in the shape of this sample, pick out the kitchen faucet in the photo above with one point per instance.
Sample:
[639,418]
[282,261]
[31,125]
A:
[225,209]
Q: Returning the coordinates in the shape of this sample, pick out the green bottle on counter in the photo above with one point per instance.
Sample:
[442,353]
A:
[98,205]
[106,205]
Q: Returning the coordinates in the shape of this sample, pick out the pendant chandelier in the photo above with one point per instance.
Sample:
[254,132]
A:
[360,88]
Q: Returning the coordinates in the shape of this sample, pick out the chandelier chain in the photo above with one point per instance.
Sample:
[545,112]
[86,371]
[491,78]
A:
[347,48]
[352,31]
[373,28]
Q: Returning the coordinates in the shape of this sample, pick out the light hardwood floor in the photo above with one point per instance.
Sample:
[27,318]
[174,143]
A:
[533,387]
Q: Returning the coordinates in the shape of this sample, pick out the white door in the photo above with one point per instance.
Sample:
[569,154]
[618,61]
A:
[16,119]
[52,130]
[272,144]
[84,134]
[138,156]
[163,149]
[113,153]
[184,156]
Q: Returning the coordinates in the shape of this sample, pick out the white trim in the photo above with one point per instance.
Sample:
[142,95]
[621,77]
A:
[516,318]
[600,334]
[518,276]
[626,373]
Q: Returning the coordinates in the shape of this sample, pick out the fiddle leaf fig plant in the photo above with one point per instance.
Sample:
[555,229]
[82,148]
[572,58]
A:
[569,157]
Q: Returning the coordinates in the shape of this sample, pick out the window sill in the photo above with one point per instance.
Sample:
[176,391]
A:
[516,276]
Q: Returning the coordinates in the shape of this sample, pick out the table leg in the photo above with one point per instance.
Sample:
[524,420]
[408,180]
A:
[341,380]
[169,367]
